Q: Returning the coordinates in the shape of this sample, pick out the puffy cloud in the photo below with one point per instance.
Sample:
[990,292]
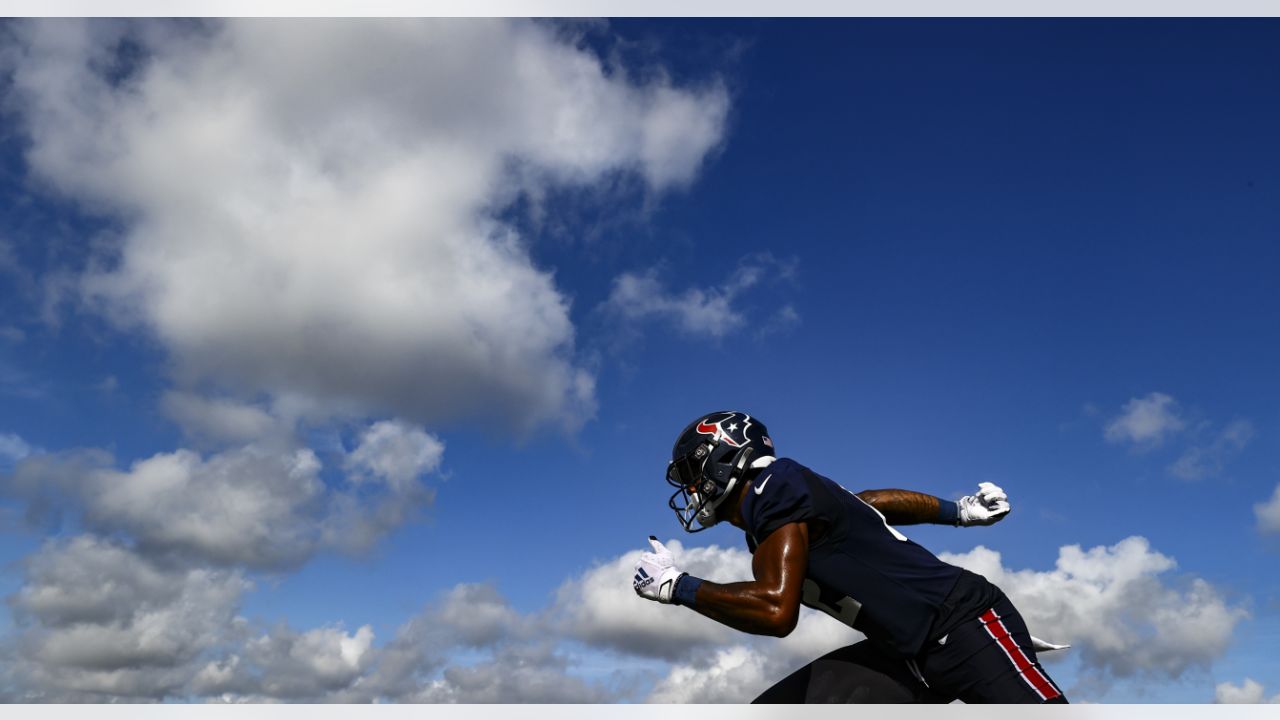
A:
[1268,513]
[262,505]
[734,675]
[218,419]
[713,312]
[1145,421]
[309,207]
[531,673]
[13,448]
[477,615]
[1110,603]
[252,505]
[602,609]
[396,453]
[515,663]
[1204,460]
[1250,692]
[288,665]
[95,620]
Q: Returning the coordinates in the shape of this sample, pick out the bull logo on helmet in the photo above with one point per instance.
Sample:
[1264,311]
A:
[730,428]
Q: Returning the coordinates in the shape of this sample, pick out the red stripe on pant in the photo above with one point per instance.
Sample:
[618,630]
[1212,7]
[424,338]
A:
[1036,679]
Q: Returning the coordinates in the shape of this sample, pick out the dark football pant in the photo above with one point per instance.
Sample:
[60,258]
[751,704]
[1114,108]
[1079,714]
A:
[859,673]
[986,660]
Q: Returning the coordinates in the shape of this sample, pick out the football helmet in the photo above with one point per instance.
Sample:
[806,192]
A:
[709,458]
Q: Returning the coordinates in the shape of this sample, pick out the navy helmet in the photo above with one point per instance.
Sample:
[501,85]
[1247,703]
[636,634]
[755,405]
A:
[709,459]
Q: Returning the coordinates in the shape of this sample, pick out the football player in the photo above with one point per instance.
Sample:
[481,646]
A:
[935,632]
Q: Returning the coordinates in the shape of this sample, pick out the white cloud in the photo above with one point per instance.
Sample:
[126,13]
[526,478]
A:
[396,453]
[1145,422]
[476,615]
[1112,606]
[13,448]
[1250,692]
[95,620]
[473,646]
[218,419]
[309,205]
[1204,460]
[251,505]
[532,673]
[735,675]
[1268,513]
[506,660]
[261,505]
[712,312]
[296,666]
[602,609]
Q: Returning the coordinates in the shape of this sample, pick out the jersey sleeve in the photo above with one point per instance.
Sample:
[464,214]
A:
[778,496]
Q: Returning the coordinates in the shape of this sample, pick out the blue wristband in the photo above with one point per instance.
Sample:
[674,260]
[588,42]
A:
[686,589]
[948,512]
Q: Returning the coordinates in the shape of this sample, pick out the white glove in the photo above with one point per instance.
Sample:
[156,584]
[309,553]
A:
[656,573]
[986,507]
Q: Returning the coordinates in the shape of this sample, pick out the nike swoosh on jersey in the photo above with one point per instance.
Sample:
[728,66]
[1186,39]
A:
[760,488]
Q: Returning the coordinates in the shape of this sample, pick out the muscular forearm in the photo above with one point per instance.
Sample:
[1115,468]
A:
[770,603]
[746,606]
[904,507]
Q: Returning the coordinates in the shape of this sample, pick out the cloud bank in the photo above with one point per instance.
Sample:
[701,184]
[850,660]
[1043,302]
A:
[162,631]
[1112,605]
[261,505]
[306,219]
[1250,692]
[310,207]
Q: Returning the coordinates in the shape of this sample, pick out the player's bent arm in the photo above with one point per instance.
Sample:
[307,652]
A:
[905,507]
[769,604]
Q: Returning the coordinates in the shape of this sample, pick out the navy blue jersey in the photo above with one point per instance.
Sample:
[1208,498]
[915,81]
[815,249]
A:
[861,570]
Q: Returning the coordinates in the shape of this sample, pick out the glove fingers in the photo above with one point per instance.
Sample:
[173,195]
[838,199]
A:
[988,491]
[657,546]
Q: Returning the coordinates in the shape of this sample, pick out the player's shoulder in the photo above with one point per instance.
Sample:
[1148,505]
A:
[790,472]
[779,474]
[779,492]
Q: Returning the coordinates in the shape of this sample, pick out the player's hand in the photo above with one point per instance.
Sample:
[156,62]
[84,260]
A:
[656,573]
[987,506]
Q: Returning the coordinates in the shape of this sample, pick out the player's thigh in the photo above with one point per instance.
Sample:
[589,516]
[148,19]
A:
[991,660]
[859,673]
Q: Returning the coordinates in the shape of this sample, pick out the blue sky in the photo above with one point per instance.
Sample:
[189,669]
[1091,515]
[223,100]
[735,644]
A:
[926,253]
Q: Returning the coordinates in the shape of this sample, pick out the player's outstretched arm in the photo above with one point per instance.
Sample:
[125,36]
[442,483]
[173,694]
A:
[767,605]
[905,507]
